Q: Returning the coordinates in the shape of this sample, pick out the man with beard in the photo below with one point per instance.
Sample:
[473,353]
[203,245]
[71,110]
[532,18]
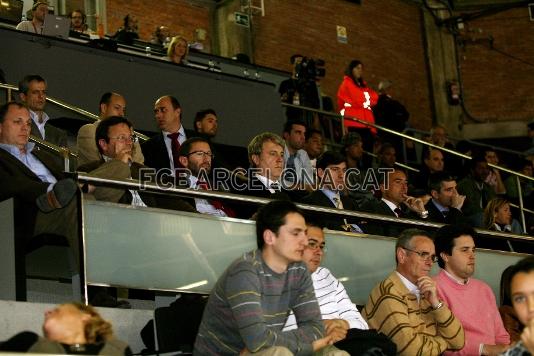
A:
[471,300]
[39,10]
[196,157]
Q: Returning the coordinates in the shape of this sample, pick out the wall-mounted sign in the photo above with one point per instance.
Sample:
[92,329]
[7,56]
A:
[242,19]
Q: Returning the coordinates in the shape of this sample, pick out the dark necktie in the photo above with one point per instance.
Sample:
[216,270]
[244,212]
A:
[445,213]
[175,148]
[217,204]
[398,211]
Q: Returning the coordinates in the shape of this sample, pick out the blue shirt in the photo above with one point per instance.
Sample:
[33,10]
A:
[30,161]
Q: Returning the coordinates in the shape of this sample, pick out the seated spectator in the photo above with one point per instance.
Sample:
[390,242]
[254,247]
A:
[477,192]
[297,164]
[446,204]
[523,166]
[32,92]
[395,202]
[314,145]
[471,300]
[196,157]
[250,302]
[205,123]
[178,50]
[511,322]
[494,179]
[71,328]
[432,163]
[115,140]
[161,36]
[331,167]
[35,25]
[498,217]
[357,171]
[386,156]
[440,137]
[522,291]
[339,314]
[128,32]
[111,104]
[406,306]
[35,179]
[458,166]
[78,23]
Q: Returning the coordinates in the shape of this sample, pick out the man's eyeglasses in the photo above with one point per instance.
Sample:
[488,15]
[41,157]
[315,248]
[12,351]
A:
[201,154]
[424,255]
[125,138]
[314,245]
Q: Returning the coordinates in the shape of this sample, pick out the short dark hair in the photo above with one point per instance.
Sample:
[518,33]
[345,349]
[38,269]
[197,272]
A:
[385,146]
[185,147]
[106,97]
[328,158]
[445,236]
[476,160]
[5,108]
[437,178]
[201,115]
[309,133]
[272,216]
[24,84]
[174,102]
[405,239]
[102,130]
[288,126]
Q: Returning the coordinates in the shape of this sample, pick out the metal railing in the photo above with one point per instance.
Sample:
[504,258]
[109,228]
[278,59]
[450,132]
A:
[208,194]
[429,144]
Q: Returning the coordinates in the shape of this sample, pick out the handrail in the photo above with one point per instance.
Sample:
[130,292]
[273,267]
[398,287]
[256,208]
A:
[70,107]
[476,143]
[133,184]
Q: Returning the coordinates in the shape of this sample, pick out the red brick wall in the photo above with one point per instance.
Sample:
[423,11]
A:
[497,86]
[386,35]
[181,16]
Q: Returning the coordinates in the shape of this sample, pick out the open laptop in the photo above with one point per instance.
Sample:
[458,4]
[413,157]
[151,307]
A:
[56,26]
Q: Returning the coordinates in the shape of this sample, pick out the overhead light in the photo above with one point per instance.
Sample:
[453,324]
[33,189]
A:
[194,285]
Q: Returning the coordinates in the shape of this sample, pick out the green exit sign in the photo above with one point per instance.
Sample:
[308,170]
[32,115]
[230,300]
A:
[242,19]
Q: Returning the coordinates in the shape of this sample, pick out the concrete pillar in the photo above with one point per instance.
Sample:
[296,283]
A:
[441,54]
[230,38]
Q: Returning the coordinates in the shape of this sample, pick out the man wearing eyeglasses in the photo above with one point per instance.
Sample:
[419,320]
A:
[471,300]
[196,156]
[405,306]
[341,318]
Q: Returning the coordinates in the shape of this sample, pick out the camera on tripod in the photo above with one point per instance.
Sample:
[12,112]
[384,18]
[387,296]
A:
[309,69]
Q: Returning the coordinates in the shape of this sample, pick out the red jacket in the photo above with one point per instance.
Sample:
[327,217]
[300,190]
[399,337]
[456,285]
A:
[355,101]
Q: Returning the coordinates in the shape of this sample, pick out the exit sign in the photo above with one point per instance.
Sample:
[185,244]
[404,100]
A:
[242,19]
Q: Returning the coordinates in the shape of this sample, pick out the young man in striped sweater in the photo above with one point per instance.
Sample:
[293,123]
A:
[250,302]
[405,306]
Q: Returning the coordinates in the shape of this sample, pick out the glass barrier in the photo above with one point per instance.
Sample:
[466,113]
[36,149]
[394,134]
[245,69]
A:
[174,251]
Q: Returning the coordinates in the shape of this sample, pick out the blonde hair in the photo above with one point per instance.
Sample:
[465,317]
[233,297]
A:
[97,330]
[489,212]
[172,45]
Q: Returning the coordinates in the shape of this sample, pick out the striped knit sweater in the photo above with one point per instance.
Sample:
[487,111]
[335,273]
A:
[249,305]
[412,325]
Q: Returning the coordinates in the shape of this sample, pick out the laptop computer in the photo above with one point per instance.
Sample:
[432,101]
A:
[56,26]
[11,11]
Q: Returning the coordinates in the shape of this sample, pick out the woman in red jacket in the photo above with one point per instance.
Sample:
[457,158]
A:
[354,99]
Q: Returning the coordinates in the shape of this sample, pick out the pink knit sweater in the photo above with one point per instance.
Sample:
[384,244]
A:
[474,305]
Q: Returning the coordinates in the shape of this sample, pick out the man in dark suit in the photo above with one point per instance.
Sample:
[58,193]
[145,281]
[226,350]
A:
[395,202]
[331,167]
[43,197]
[115,140]
[266,157]
[446,204]
[32,91]
[162,150]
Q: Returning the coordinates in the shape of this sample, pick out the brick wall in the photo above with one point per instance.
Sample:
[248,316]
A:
[386,35]
[181,16]
[495,85]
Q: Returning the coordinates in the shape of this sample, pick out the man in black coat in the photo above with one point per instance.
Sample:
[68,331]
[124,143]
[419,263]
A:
[331,168]
[446,204]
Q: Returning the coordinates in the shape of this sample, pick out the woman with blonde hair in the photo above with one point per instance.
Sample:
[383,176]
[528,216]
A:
[498,217]
[178,50]
[71,328]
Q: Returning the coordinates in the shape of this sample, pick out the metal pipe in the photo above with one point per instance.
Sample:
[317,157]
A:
[131,184]
[520,191]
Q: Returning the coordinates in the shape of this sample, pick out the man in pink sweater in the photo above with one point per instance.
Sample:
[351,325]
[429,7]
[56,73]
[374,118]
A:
[471,300]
